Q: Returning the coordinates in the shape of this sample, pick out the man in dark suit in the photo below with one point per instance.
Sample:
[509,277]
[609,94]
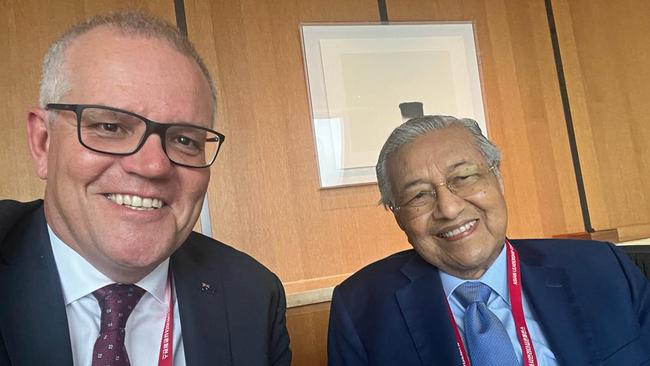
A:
[107,270]
[466,294]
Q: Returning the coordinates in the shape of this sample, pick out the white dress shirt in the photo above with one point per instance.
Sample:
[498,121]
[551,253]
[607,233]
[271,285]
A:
[499,304]
[144,328]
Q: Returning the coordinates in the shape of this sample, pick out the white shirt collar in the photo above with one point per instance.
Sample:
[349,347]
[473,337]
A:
[79,278]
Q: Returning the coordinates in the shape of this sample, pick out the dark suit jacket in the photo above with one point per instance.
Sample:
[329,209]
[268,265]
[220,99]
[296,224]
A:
[593,305]
[238,320]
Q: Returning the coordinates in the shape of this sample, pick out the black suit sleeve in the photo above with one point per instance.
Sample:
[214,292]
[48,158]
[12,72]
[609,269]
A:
[344,347]
[280,351]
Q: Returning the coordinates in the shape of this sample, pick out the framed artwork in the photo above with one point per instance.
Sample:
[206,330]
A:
[359,74]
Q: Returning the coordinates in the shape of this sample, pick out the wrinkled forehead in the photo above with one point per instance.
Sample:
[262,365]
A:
[441,150]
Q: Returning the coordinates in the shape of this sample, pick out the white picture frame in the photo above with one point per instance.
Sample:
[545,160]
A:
[358,74]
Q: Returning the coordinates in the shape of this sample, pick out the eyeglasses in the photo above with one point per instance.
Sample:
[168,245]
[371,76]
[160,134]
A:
[117,132]
[463,183]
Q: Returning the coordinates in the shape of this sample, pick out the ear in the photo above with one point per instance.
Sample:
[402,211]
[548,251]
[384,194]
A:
[399,222]
[38,138]
[501,186]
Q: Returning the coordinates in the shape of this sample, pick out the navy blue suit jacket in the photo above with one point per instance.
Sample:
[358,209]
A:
[593,305]
[238,320]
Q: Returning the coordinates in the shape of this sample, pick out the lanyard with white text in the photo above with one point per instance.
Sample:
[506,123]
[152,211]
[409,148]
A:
[166,343]
[514,285]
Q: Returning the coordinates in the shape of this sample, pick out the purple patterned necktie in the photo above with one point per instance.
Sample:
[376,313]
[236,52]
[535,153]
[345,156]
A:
[116,302]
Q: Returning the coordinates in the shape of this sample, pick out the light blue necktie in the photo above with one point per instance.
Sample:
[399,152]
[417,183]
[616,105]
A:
[487,341]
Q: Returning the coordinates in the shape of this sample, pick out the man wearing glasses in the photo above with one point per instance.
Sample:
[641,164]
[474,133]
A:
[468,295]
[106,270]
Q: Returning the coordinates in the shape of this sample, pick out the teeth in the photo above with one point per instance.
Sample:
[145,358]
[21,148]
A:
[457,231]
[135,202]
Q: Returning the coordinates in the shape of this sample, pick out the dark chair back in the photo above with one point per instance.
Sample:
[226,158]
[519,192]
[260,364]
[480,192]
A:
[640,254]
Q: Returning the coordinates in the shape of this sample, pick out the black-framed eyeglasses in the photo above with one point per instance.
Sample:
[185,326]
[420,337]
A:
[114,131]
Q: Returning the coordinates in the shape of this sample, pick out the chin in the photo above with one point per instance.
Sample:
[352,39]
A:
[480,262]
[138,254]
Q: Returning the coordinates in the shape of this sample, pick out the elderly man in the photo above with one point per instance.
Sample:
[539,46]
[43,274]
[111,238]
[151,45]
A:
[466,294]
[106,270]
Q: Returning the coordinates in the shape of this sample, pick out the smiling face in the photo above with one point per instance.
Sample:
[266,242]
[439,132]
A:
[460,236]
[87,192]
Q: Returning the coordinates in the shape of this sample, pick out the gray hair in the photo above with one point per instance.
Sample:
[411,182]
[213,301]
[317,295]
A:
[416,127]
[55,83]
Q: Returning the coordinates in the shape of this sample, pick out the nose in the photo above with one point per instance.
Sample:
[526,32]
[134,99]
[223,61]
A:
[150,161]
[447,205]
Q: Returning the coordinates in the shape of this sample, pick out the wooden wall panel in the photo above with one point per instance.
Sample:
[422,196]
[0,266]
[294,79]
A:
[264,195]
[608,82]
[26,30]
[523,107]
[307,327]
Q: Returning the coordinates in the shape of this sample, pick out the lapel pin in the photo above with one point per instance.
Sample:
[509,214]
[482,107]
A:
[206,287]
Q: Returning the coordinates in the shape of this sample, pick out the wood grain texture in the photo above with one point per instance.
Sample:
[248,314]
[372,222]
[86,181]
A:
[26,30]
[608,82]
[264,194]
[307,327]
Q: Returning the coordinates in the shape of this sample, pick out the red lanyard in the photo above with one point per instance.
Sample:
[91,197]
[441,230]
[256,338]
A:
[165,357]
[514,285]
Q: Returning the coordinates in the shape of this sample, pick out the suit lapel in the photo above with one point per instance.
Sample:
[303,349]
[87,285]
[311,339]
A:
[202,308]
[33,312]
[550,295]
[424,308]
